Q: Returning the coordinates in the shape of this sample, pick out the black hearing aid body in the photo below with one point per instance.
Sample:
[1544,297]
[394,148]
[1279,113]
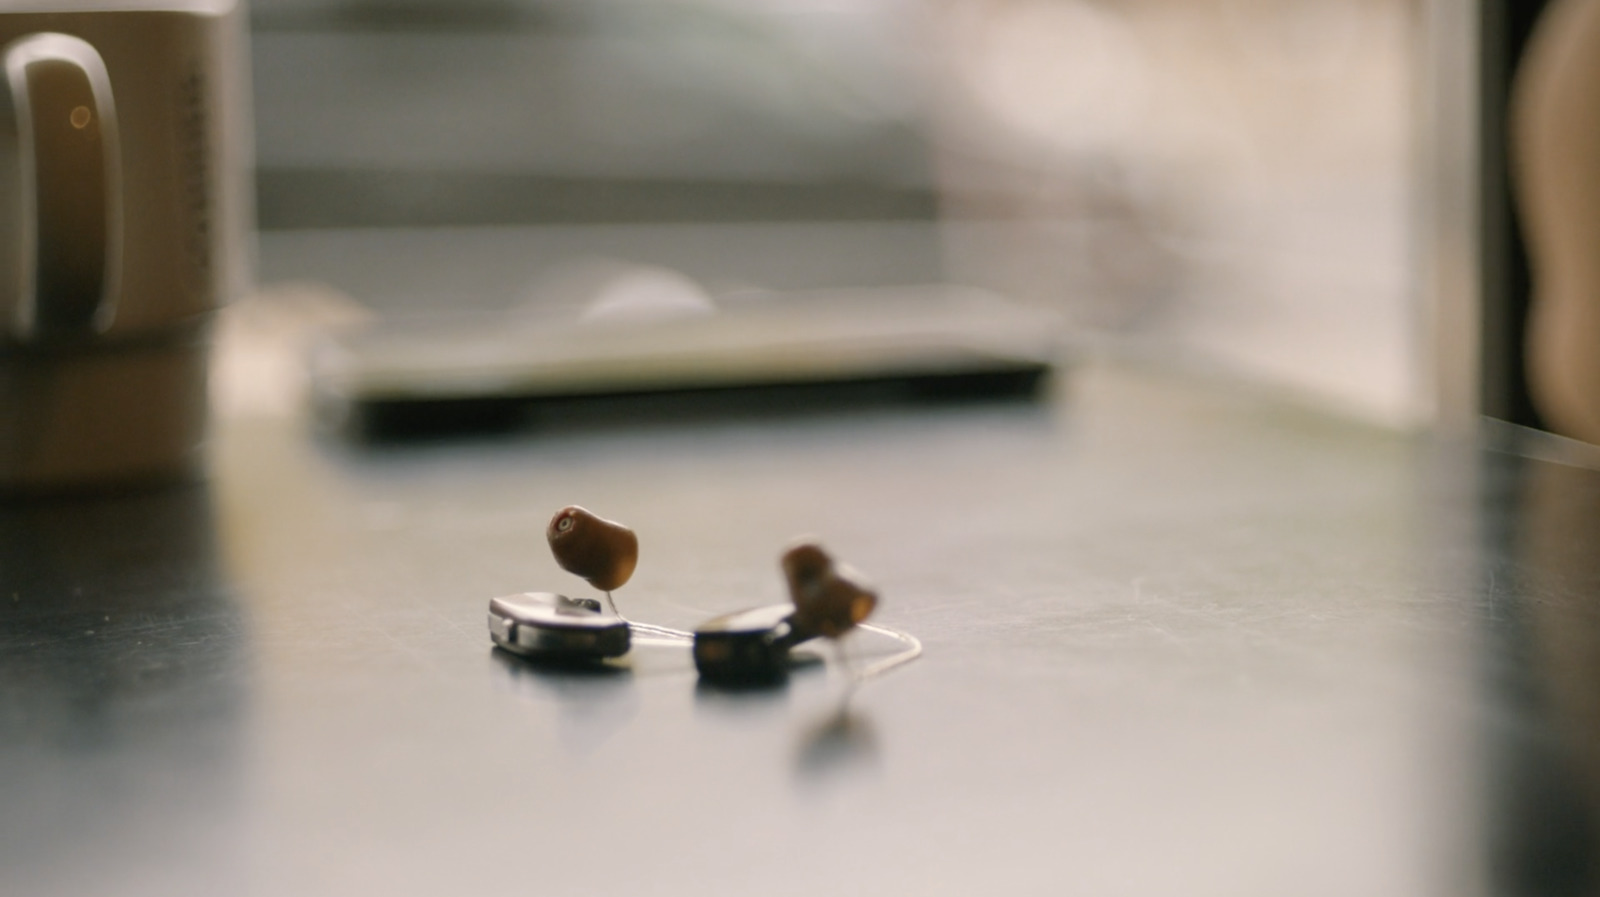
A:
[748,645]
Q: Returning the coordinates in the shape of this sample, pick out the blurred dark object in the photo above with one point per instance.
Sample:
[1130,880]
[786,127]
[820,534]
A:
[1537,524]
[1505,27]
[480,372]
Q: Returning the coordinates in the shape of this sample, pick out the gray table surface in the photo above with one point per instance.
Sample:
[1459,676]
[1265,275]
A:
[1180,639]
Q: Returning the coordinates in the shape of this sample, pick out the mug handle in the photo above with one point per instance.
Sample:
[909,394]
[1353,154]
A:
[63,177]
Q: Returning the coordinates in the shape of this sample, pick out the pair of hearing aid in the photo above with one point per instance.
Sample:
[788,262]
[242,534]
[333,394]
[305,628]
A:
[827,600]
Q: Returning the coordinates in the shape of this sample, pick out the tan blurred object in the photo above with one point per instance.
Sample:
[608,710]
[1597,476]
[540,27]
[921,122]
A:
[123,225]
[1222,183]
[1556,133]
[258,353]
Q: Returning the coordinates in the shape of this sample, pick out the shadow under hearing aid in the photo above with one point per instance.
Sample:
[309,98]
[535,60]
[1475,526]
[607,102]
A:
[801,660]
[594,700]
[743,698]
[843,740]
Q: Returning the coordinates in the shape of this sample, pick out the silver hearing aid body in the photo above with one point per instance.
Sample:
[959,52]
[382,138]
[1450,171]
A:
[547,625]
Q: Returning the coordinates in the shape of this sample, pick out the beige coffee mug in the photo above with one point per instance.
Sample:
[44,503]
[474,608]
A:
[124,223]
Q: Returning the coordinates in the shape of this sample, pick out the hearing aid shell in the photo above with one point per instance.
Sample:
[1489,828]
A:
[602,551]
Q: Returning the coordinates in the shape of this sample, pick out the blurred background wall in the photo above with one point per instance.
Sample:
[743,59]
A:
[1226,182]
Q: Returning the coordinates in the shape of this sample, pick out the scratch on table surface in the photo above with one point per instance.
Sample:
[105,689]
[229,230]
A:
[685,606]
[1169,635]
[455,622]
[1492,598]
[1263,637]
[421,659]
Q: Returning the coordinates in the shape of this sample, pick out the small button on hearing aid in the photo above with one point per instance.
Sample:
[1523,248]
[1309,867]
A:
[753,645]
[601,551]
[543,624]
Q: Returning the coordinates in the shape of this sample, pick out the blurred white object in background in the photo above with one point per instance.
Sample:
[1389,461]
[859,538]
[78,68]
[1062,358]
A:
[258,368]
[1218,180]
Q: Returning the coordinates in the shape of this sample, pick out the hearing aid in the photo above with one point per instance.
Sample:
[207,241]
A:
[827,599]
[748,645]
[547,625]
